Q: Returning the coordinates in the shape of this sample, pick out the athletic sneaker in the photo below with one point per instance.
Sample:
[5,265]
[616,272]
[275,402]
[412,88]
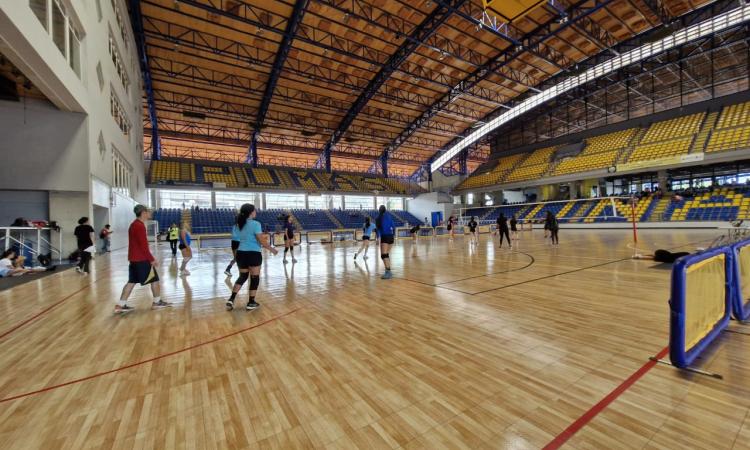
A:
[387,275]
[364,257]
[251,305]
[184,273]
[229,304]
[285,261]
[78,269]
[228,273]
[124,309]
[160,304]
[294,260]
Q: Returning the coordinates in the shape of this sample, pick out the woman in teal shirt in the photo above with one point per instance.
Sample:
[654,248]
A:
[367,230]
[249,233]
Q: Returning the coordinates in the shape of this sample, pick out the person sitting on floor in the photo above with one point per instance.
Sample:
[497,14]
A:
[10,266]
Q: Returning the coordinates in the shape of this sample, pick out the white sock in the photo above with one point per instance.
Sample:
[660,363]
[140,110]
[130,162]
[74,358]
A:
[122,303]
[157,299]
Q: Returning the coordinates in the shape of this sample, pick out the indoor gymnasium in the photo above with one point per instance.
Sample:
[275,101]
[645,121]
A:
[374,224]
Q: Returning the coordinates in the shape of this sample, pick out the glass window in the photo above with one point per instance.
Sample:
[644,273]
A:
[58,27]
[391,202]
[75,53]
[470,198]
[285,201]
[488,200]
[176,199]
[324,201]
[39,7]
[359,202]
[234,200]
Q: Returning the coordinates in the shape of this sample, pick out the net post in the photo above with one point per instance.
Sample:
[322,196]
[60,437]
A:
[635,227]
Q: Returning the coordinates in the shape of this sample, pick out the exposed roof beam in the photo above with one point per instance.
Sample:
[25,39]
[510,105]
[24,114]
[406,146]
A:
[425,29]
[136,18]
[278,64]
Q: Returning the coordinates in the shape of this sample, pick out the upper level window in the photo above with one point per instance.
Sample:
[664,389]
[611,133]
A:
[117,60]
[65,35]
[120,21]
[118,113]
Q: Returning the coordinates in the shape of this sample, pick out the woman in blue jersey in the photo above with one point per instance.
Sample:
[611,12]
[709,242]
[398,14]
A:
[187,252]
[249,233]
[289,238]
[367,230]
[386,231]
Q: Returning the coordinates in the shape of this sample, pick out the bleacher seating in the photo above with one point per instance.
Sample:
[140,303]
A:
[313,219]
[721,204]
[349,218]
[732,129]
[532,167]
[270,178]
[206,221]
[407,217]
[673,128]
[166,217]
[663,149]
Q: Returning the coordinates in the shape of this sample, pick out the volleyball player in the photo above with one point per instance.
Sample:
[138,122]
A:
[367,230]
[502,229]
[473,230]
[413,232]
[513,227]
[551,224]
[289,238]
[451,226]
[386,231]
[185,250]
[249,233]
[228,270]
[142,268]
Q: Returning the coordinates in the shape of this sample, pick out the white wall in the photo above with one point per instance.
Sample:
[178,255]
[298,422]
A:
[423,205]
[42,147]
[121,216]
[30,205]
[57,148]
[66,208]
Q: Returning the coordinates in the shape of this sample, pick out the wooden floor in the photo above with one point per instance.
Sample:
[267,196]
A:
[464,348]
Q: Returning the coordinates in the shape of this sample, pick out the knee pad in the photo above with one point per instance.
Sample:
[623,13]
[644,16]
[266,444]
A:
[254,282]
[242,278]
[384,256]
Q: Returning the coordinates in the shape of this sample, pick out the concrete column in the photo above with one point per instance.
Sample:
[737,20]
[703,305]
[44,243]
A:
[307,203]
[662,178]
[213,199]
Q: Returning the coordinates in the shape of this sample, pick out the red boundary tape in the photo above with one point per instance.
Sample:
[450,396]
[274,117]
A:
[146,361]
[581,422]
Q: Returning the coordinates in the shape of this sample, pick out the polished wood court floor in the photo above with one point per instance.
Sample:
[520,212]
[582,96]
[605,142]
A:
[466,347]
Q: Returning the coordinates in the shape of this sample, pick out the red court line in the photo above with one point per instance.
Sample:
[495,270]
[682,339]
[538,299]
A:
[44,311]
[146,361]
[576,426]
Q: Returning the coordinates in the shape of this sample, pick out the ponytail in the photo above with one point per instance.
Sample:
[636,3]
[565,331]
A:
[379,219]
[245,211]
[367,223]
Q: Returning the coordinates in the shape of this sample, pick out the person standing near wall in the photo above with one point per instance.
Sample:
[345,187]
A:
[85,236]
[104,235]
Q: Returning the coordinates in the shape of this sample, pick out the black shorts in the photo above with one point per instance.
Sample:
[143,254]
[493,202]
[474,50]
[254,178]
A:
[450,227]
[414,230]
[246,259]
[386,239]
[288,238]
[235,245]
[142,272]
[182,246]
[365,238]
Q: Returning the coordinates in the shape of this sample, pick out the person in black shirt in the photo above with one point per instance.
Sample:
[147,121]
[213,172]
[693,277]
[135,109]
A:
[451,226]
[502,229]
[551,224]
[473,230]
[513,227]
[85,236]
[289,238]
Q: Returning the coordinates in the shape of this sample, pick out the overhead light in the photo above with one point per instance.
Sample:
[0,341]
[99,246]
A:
[708,27]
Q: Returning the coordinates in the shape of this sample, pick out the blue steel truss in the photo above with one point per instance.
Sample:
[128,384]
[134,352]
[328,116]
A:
[298,13]
[532,40]
[136,18]
[423,31]
[695,16]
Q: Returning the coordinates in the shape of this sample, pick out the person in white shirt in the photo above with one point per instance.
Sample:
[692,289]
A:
[7,269]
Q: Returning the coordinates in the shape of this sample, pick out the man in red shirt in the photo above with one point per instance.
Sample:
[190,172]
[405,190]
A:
[142,267]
